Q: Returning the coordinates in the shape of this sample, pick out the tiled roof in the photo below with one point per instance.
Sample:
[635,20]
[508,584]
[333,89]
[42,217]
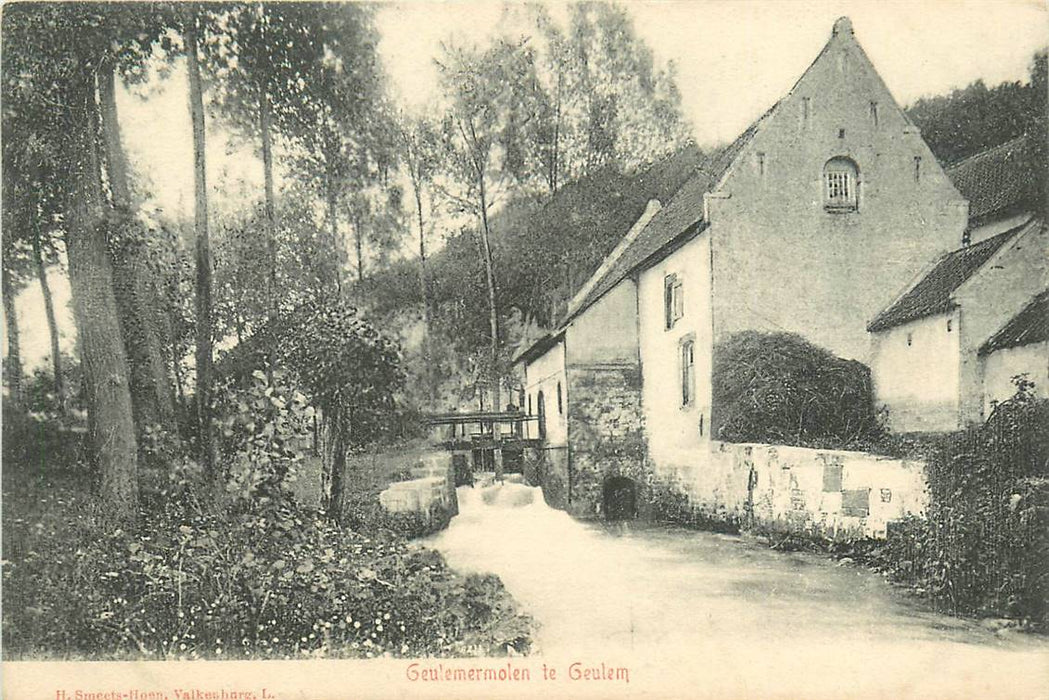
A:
[932,293]
[996,180]
[684,211]
[1031,325]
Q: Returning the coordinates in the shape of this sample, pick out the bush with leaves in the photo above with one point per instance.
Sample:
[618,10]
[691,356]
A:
[983,548]
[779,388]
[252,574]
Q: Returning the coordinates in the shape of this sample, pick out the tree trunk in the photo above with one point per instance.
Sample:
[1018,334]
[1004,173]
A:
[203,259]
[112,431]
[52,325]
[493,316]
[359,235]
[151,392]
[333,223]
[333,463]
[429,378]
[13,366]
[269,204]
[556,158]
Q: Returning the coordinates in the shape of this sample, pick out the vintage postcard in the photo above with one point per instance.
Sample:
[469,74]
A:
[683,349]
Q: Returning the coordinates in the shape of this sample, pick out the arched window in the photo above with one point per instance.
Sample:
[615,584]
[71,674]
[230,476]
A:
[841,181]
[541,411]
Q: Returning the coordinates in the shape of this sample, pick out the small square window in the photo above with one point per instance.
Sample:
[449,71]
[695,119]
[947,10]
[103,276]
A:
[840,185]
[841,133]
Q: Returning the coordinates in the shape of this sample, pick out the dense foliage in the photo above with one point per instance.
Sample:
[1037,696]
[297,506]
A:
[779,388]
[984,548]
[252,575]
[541,263]
[977,117]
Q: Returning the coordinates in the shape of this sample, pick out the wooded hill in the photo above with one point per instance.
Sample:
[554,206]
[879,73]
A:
[545,249]
[543,252]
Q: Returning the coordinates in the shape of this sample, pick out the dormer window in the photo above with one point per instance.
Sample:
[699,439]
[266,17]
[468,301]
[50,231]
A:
[840,185]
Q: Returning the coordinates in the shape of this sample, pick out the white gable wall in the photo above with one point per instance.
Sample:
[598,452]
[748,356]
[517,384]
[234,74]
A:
[544,374]
[999,290]
[917,382]
[675,441]
[782,262]
[1001,366]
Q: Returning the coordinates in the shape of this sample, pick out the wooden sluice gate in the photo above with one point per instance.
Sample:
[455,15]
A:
[483,441]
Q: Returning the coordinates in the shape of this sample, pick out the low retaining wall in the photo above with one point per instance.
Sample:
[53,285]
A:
[431,493]
[828,493]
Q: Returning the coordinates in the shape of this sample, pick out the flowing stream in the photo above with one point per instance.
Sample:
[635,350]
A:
[662,597]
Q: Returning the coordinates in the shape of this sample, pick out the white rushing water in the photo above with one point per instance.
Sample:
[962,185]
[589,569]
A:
[668,598]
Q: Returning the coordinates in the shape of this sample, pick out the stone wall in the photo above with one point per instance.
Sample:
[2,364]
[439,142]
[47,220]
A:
[605,432]
[547,467]
[430,494]
[825,493]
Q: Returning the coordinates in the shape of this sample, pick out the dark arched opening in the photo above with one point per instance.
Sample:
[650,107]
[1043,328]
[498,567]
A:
[620,498]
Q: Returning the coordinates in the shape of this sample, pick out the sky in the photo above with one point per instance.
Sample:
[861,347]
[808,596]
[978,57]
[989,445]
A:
[734,59]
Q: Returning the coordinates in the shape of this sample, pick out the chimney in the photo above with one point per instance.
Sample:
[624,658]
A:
[843,25]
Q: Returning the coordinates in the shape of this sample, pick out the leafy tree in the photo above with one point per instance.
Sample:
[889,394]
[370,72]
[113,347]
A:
[53,55]
[346,139]
[204,321]
[610,103]
[976,117]
[419,153]
[482,146]
[261,56]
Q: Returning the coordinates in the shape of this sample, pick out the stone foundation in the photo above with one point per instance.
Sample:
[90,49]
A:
[604,432]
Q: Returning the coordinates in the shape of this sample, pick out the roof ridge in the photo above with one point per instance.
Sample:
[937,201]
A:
[987,151]
[998,338]
[934,291]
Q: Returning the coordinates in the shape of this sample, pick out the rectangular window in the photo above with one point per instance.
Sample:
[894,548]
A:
[806,111]
[874,114]
[917,168]
[839,188]
[761,164]
[688,372]
[673,299]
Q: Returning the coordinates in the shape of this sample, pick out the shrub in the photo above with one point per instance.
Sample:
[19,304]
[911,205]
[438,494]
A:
[239,571]
[284,583]
[984,547]
[780,388]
